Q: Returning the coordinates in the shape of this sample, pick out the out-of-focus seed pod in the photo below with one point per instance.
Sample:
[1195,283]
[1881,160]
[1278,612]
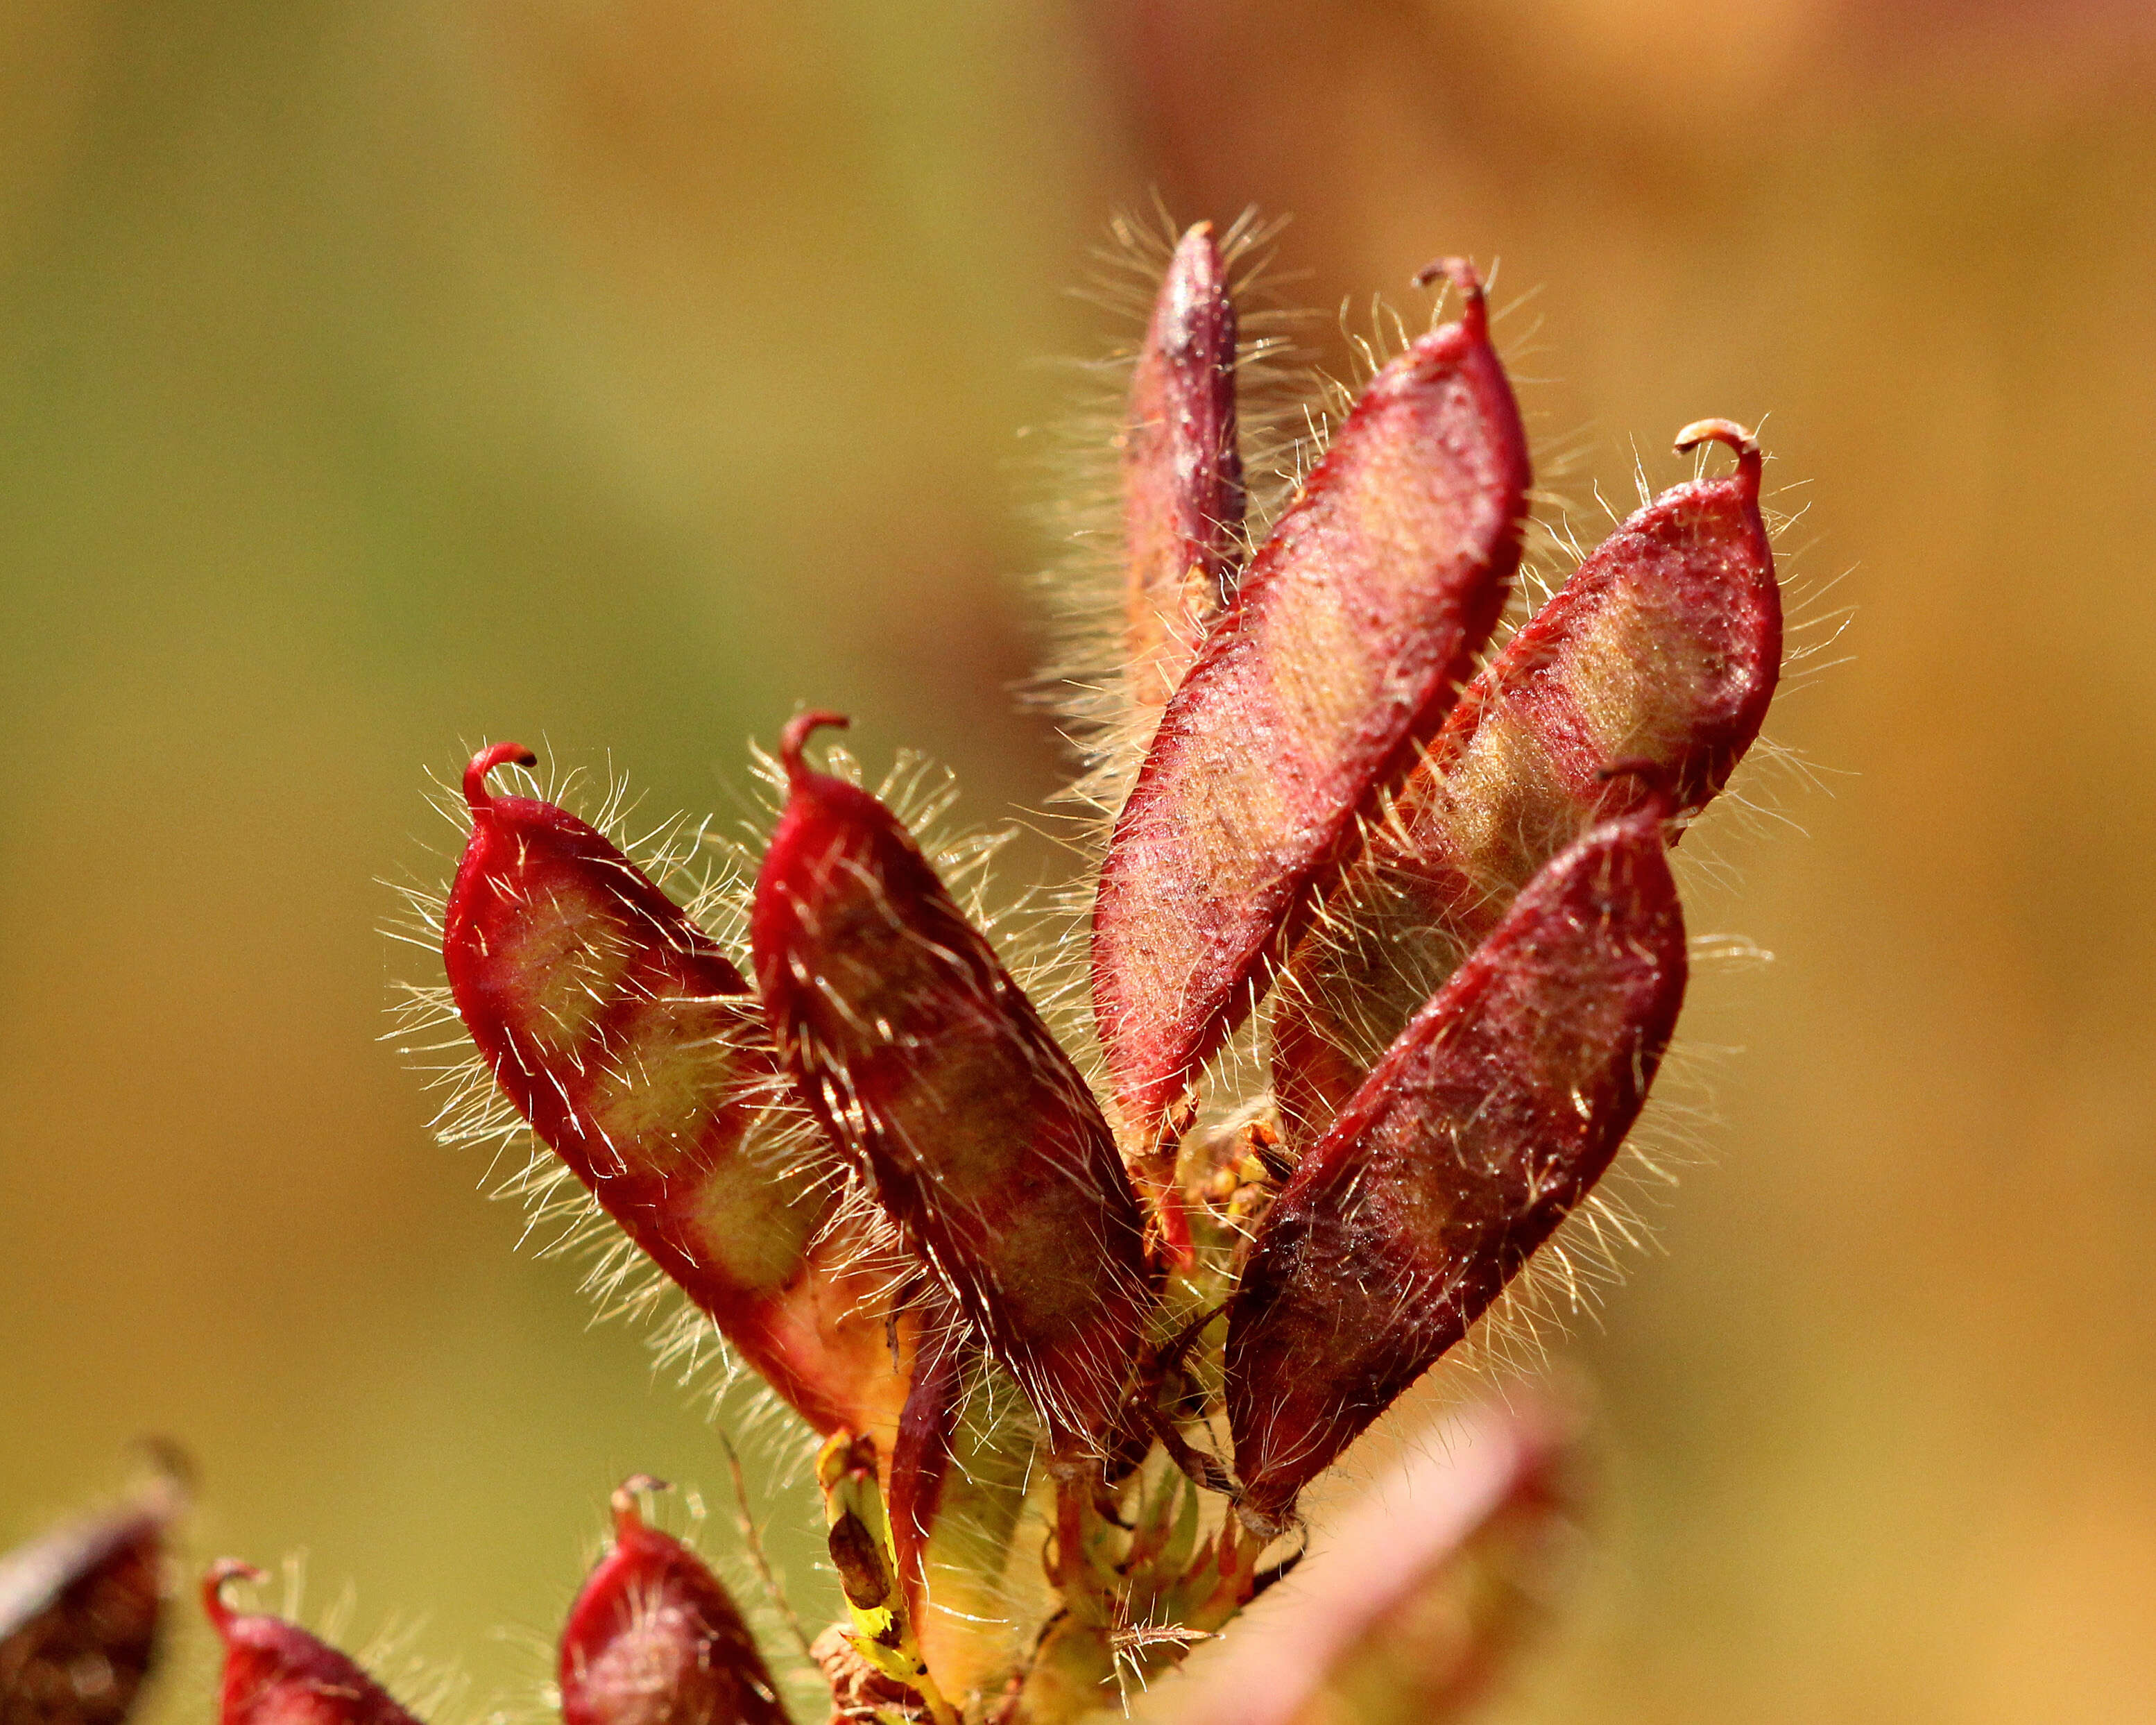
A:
[922,1057]
[1422,1591]
[276,1673]
[638,1053]
[653,1638]
[1182,472]
[1488,1119]
[1346,643]
[79,1614]
[1664,647]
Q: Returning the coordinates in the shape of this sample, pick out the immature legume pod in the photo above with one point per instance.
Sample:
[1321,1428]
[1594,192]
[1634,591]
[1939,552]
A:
[1664,648]
[924,1059]
[276,1673]
[1347,640]
[638,1054]
[1489,1119]
[653,1639]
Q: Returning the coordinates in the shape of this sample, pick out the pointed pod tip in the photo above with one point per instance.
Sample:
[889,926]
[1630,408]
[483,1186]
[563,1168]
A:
[1197,254]
[495,754]
[173,1470]
[222,1573]
[1727,432]
[627,1519]
[1461,274]
[795,737]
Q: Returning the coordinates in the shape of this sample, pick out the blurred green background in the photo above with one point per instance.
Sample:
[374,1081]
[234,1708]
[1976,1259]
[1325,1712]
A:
[378,379]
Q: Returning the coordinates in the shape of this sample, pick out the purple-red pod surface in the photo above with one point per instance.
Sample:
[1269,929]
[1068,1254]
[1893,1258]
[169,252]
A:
[79,1610]
[1490,1118]
[1346,639]
[1182,472]
[638,1054]
[1663,649]
[923,1057]
[276,1673]
[653,1638]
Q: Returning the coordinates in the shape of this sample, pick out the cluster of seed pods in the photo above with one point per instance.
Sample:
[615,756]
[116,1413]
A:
[1460,899]
[1452,883]
[652,1638]
[859,1149]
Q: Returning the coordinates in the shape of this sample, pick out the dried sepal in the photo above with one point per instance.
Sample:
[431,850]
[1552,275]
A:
[1663,648]
[1182,472]
[638,1053]
[1489,1119]
[1346,642]
[924,1059]
[276,1673]
[653,1639]
[79,1610]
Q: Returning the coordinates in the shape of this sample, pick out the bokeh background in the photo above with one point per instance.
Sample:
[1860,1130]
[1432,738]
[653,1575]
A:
[378,379]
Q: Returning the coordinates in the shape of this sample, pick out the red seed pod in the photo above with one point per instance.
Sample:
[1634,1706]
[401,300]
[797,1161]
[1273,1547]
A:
[1183,472]
[276,1673]
[1346,642]
[638,1053]
[653,1639]
[1664,647]
[79,1614]
[1489,1119]
[923,1059]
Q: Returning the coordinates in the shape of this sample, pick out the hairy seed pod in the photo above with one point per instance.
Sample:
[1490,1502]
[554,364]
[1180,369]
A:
[926,1061]
[1346,643]
[276,1673]
[1488,1119]
[1182,472]
[79,1614]
[638,1053]
[1664,647]
[653,1638]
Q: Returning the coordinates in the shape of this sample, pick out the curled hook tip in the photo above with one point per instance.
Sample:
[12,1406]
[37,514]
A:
[1730,433]
[795,737]
[224,1571]
[495,754]
[627,1518]
[1460,273]
[1725,431]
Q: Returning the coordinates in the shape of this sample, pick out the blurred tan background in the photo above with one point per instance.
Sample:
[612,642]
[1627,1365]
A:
[375,380]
